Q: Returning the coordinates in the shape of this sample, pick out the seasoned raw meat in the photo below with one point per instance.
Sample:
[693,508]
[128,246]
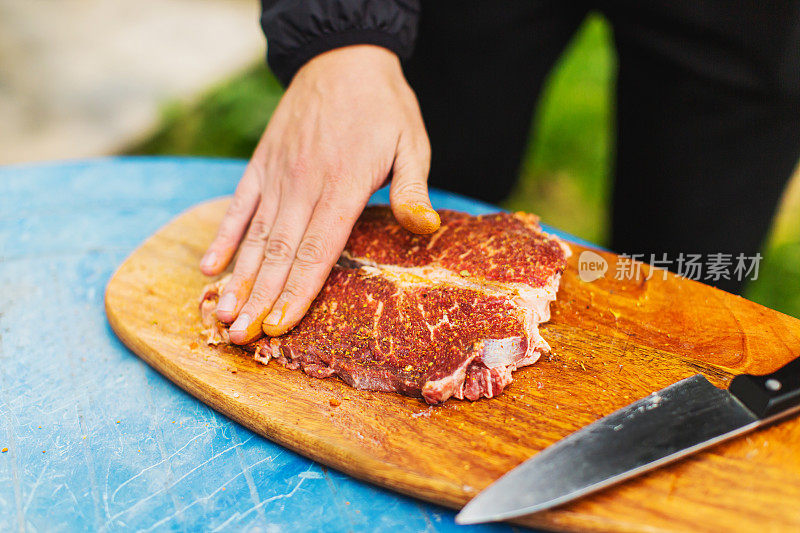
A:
[441,315]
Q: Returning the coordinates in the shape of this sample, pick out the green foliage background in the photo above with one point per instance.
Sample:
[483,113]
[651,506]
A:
[565,176]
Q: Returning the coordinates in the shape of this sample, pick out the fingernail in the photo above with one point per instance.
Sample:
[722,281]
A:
[423,218]
[209,260]
[274,318]
[424,209]
[432,220]
[241,323]
[227,303]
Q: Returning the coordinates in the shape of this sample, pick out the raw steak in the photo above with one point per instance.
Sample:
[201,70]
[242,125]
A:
[441,315]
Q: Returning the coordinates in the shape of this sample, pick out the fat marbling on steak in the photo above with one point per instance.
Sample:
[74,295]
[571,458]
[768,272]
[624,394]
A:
[447,314]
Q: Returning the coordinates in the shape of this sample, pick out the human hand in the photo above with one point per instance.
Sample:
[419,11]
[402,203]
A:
[347,121]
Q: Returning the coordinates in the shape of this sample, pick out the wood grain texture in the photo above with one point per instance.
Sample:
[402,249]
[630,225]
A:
[613,342]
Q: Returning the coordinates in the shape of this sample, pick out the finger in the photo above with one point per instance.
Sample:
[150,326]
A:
[251,254]
[408,192]
[319,250]
[234,223]
[290,224]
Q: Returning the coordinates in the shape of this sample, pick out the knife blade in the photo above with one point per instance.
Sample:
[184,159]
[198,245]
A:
[669,424]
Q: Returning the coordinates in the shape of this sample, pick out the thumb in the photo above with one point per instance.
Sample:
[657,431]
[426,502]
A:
[408,192]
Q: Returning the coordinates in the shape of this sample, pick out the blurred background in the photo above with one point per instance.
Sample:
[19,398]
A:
[82,78]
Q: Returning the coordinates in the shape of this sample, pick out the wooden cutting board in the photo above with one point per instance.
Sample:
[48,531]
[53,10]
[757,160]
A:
[614,341]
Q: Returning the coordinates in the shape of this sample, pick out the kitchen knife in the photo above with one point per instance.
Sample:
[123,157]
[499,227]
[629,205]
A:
[681,419]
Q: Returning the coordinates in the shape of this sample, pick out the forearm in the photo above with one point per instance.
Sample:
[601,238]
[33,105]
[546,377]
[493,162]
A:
[298,31]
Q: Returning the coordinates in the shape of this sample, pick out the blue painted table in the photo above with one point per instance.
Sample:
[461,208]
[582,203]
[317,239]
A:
[96,439]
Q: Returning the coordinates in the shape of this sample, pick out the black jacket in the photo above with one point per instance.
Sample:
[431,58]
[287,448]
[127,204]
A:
[298,30]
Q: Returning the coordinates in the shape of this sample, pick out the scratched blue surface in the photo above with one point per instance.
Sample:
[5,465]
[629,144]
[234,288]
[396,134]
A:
[96,439]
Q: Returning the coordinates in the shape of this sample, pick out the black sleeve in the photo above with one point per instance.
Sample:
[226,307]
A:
[298,30]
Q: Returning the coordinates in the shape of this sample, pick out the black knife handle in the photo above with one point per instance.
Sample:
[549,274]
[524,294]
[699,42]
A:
[770,394]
